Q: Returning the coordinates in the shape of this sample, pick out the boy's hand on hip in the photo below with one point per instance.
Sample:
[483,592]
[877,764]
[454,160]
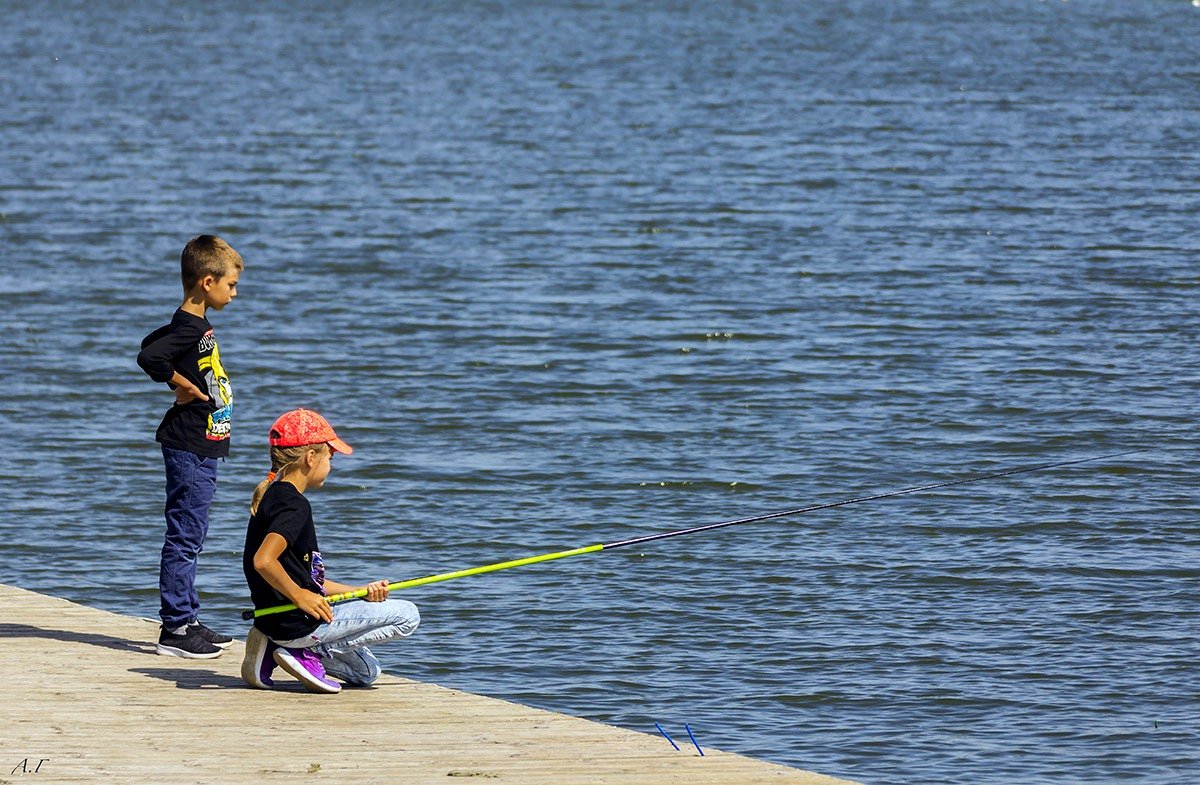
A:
[187,396]
[315,605]
[377,591]
[185,391]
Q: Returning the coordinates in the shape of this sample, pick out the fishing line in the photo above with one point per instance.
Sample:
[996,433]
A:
[545,557]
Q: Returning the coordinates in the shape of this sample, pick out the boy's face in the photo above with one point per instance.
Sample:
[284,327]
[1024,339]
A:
[219,292]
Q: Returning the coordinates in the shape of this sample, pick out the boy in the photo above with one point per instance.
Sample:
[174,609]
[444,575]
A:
[194,433]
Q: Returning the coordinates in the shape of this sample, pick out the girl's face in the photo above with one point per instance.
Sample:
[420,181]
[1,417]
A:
[319,462]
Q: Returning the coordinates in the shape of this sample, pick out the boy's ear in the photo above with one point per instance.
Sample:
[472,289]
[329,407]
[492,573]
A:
[207,282]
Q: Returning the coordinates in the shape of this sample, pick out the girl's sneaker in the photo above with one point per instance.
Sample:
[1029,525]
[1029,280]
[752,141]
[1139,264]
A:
[306,666]
[258,663]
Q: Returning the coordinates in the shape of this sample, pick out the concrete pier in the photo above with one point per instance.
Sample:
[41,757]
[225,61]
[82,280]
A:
[85,699]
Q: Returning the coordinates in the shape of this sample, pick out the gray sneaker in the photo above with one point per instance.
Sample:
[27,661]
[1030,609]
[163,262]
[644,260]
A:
[190,645]
[212,636]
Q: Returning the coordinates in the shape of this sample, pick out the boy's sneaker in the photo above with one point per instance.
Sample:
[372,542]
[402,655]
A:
[306,666]
[189,645]
[212,636]
[259,660]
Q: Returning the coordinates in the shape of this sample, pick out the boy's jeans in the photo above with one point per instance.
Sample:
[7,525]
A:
[191,483]
[342,643]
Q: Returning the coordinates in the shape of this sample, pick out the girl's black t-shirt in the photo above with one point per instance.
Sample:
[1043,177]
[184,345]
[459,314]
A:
[284,511]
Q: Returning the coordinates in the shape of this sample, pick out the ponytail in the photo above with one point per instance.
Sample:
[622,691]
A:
[282,459]
[259,491]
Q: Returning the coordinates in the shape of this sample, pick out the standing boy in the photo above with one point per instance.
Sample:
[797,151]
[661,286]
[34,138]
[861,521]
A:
[193,434]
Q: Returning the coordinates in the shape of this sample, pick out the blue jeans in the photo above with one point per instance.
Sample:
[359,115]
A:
[342,643]
[191,484]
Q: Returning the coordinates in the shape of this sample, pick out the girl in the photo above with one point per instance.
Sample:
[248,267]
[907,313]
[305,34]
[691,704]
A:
[283,565]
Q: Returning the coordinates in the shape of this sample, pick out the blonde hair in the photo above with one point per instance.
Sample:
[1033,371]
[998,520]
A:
[282,459]
[207,254]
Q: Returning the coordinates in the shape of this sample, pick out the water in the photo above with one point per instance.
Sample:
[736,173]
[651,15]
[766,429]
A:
[567,273]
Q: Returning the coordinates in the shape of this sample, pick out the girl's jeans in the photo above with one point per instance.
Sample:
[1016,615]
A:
[342,643]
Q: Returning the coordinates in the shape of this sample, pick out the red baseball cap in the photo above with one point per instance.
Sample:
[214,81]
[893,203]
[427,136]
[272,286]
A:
[301,427]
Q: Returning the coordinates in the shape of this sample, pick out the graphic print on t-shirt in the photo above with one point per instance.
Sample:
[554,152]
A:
[318,569]
[220,391]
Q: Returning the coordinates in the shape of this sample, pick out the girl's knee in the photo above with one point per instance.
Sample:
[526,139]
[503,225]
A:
[403,614]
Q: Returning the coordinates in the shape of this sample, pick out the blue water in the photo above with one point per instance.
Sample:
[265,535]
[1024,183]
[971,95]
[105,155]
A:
[568,273]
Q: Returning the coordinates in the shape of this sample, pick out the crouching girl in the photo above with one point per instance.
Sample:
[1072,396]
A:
[317,644]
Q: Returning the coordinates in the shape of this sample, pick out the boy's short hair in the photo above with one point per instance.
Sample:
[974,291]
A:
[207,254]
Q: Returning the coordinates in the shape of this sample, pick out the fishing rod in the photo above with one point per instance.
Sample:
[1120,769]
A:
[545,557]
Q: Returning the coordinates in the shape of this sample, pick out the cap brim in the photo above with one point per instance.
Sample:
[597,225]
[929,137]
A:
[340,446]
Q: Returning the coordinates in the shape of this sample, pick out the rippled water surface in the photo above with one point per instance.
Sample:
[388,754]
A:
[569,273]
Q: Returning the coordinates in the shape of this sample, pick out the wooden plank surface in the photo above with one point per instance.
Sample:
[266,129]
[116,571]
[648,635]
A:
[83,698]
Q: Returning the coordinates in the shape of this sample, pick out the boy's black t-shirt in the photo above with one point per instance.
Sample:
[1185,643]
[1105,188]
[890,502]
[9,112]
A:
[187,345]
[284,511]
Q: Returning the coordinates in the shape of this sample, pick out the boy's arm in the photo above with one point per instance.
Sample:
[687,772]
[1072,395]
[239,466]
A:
[185,391]
[159,350]
[266,562]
